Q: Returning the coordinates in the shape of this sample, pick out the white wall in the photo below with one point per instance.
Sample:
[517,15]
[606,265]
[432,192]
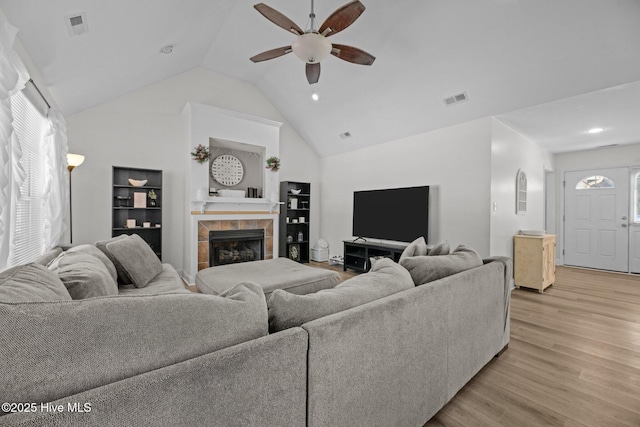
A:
[624,155]
[455,162]
[146,129]
[511,151]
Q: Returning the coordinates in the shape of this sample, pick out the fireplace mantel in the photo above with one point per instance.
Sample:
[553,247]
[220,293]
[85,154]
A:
[233,204]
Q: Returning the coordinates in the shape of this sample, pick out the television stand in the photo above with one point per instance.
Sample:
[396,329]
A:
[357,254]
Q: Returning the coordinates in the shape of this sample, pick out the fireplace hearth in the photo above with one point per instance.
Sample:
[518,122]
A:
[234,246]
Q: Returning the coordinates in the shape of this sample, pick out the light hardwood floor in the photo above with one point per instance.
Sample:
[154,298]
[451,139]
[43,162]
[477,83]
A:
[573,359]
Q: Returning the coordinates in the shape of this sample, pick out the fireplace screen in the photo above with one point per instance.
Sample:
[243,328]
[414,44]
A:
[233,246]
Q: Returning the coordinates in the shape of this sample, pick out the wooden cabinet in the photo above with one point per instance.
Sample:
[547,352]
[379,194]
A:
[138,210]
[294,220]
[534,261]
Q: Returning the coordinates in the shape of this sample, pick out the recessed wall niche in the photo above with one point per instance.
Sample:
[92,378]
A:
[252,158]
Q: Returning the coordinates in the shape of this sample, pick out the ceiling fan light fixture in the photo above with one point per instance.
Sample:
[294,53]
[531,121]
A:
[311,47]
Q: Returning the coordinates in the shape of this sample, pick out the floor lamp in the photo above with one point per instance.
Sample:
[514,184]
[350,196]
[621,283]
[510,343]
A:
[73,160]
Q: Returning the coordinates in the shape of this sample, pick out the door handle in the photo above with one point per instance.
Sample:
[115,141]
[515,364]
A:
[624,217]
[624,225]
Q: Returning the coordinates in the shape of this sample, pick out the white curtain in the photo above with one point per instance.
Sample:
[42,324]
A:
[13,76]
[56,192]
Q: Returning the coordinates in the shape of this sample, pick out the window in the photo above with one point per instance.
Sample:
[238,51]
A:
[28,223]
[594,182]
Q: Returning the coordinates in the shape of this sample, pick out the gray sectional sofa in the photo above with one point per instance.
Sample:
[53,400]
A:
[187,359]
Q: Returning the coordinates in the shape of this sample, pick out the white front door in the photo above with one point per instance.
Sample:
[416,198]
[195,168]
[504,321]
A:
[634,224]
[596,219]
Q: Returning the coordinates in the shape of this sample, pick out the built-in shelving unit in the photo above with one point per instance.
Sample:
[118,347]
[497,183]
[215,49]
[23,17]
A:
[146,210]
[294,220]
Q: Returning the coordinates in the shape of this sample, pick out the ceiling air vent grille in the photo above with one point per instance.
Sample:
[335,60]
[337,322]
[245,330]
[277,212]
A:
[455,99]
[76,24]
[345,135]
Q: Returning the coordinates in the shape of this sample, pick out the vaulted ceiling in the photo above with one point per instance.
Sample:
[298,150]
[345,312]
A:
[548,68]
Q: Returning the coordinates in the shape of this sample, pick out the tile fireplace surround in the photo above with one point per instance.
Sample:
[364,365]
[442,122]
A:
[204,226]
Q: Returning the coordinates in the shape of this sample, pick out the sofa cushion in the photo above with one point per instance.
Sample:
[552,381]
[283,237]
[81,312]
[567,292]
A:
[94,251]
[48,256]
[416,248]
[31,283]
[441,248]
[123,278]
[137,258]
[424,269]
[84,275]
[288,310]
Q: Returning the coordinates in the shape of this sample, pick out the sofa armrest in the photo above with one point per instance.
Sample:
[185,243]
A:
[56,349]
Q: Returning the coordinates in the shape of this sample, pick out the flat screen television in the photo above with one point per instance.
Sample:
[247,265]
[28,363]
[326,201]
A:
[400,214]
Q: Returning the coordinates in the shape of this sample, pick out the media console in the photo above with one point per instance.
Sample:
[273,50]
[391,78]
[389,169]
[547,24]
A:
[357,254]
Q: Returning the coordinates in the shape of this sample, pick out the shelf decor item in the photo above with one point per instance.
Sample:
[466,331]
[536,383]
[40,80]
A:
[153,197]
[139,200]
[294,252]
[273,163]
[201,154]
[137,182]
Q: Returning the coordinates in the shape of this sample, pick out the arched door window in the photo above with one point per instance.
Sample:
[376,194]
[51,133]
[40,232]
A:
[594,182]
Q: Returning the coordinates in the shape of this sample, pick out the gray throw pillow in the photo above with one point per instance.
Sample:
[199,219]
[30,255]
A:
[441,248]
[94,251]
[416,248]
[48,256]
[288,310]
[84,275]
[30,283]
[123,279]
[137,258]
[424,269]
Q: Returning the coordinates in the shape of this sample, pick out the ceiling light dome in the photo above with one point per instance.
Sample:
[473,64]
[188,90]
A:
[311,47]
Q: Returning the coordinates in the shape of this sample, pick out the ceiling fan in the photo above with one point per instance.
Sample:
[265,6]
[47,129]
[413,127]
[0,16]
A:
[311,45]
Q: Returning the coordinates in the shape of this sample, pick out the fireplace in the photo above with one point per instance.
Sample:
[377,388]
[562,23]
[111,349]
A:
[233,246]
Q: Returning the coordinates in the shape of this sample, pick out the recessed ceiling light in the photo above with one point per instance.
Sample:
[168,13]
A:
[595,130]
[315,96]
[167,49]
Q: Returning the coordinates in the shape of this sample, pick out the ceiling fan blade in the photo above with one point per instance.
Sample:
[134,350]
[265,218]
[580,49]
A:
[341,18]
[278,18]
[313,73]
[270,54]
[352,54]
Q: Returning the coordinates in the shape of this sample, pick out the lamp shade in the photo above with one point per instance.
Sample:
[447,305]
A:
[311,47]
[74,160]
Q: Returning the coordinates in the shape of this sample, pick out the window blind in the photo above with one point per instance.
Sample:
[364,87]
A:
[28,226]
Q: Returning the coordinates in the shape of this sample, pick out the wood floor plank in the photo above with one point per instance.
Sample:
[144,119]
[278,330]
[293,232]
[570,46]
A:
[573,359]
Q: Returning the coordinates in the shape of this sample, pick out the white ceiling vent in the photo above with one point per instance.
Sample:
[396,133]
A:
[76,24]
[455,99]
[345,135]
